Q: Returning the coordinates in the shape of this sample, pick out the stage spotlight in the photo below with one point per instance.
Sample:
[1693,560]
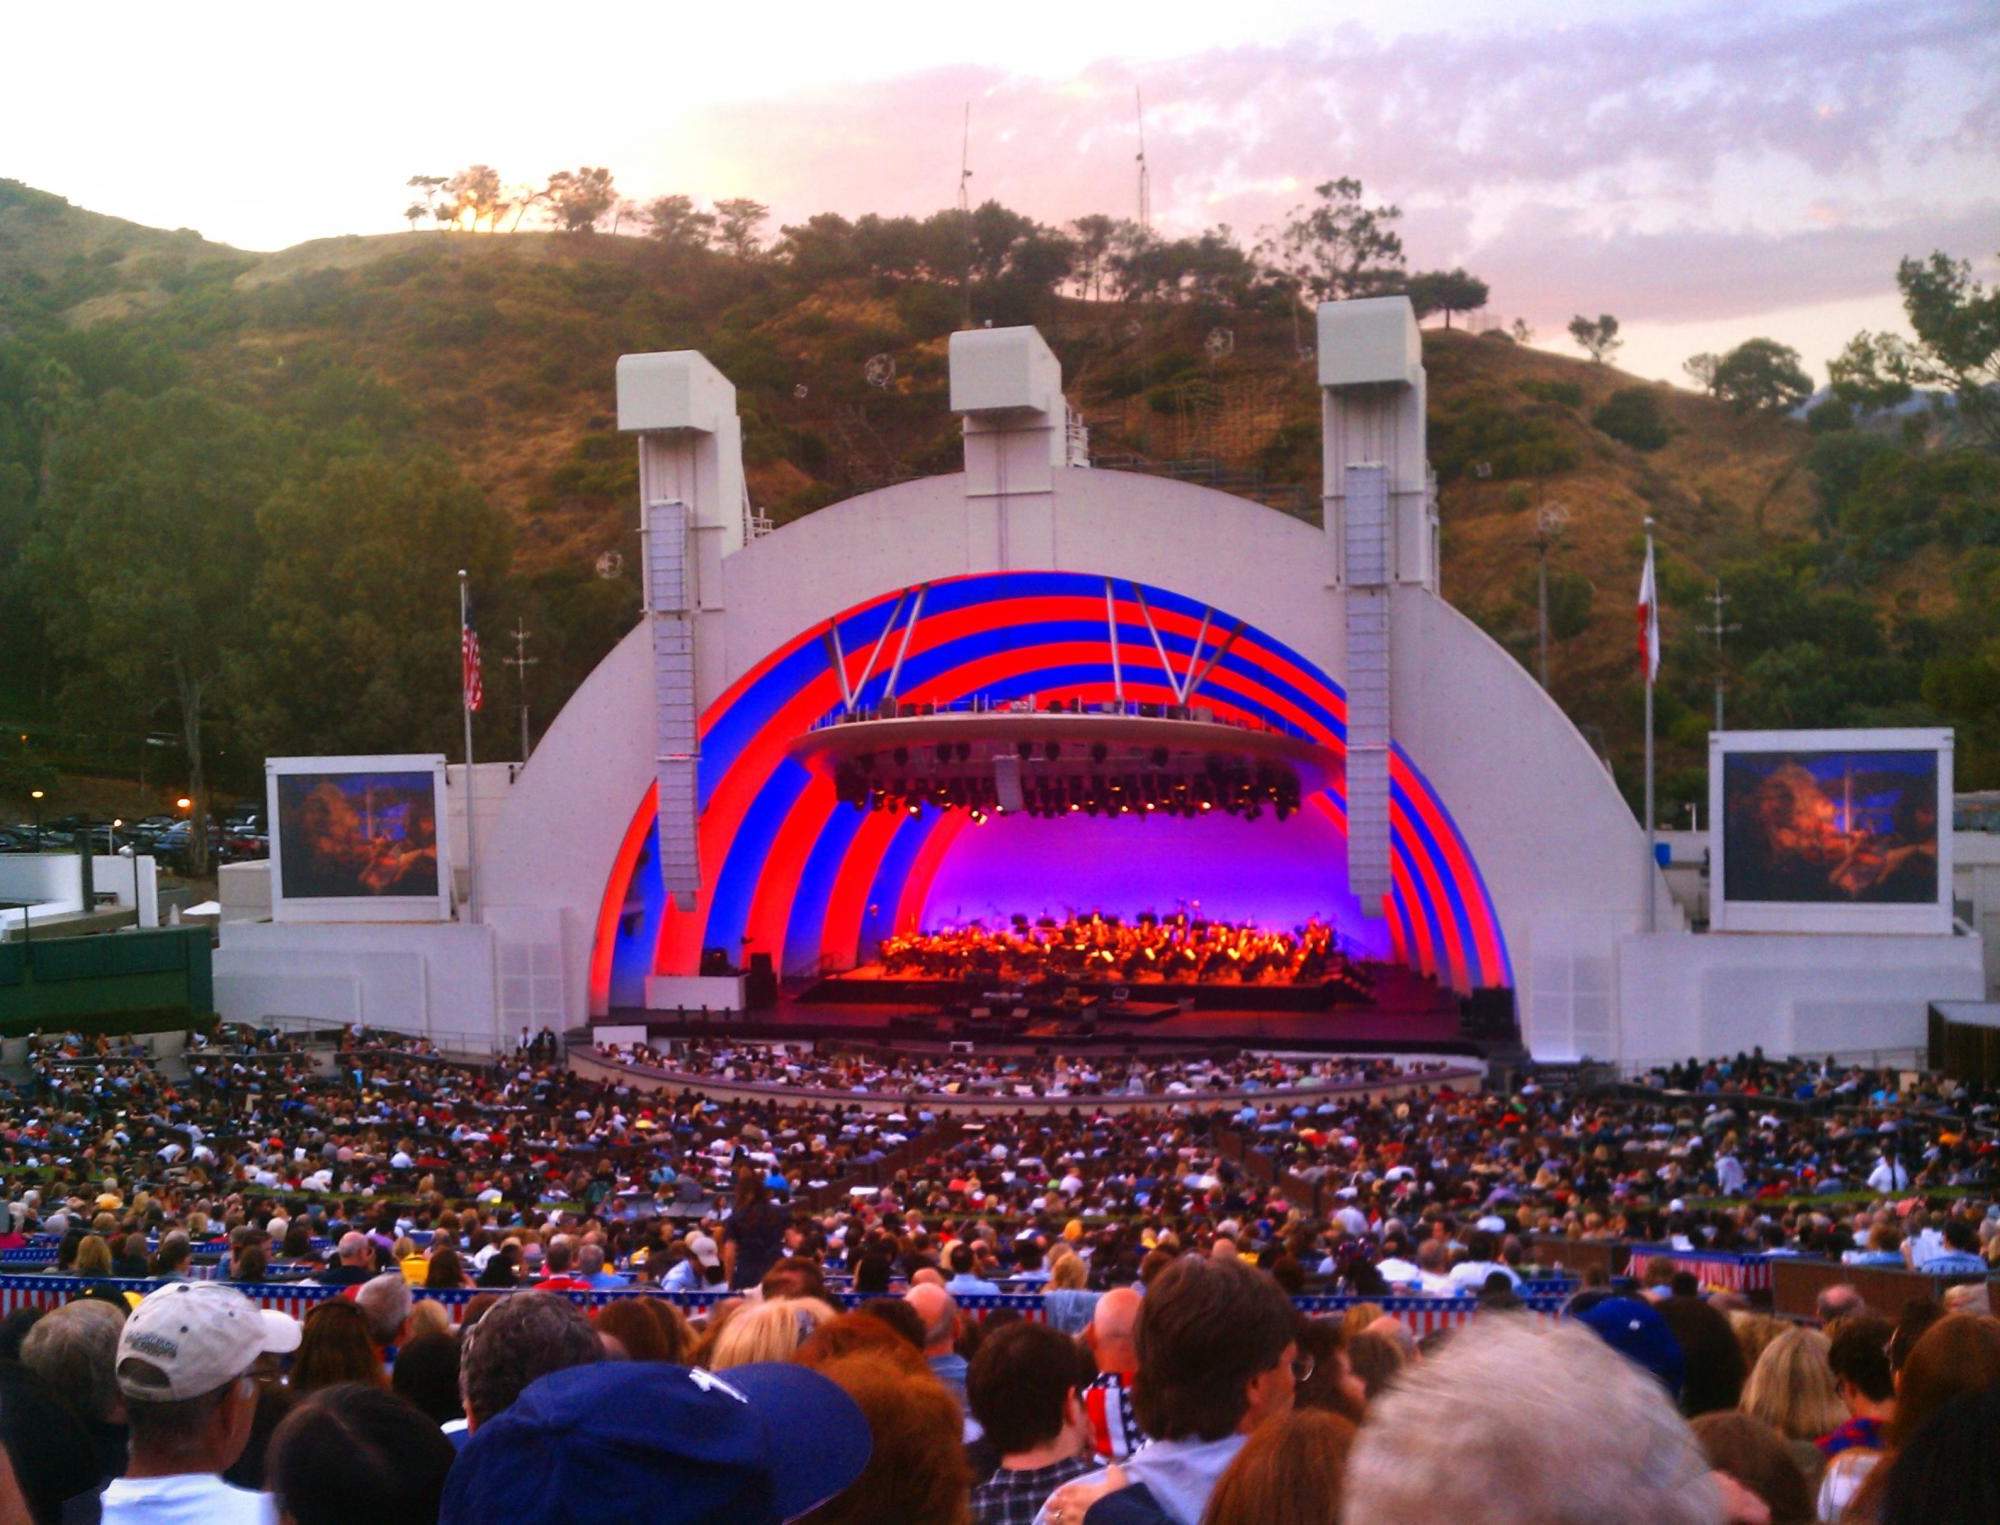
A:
[915,808]
[978,817]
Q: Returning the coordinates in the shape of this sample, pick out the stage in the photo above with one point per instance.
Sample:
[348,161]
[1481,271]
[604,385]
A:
[1408,1013]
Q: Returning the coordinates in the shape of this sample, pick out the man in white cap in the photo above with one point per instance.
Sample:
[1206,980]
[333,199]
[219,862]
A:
[184,1363]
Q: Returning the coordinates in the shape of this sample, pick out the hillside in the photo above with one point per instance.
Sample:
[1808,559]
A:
[499,350]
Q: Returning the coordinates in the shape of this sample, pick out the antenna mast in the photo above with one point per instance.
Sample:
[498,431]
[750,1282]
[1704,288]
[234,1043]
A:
[965,164]
[520,661]
[1145,175]
[1719,630]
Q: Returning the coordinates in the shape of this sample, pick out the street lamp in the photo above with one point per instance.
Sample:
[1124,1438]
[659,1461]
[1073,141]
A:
[138,919]
[36,796]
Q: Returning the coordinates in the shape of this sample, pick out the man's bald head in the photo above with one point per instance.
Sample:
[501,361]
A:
[939,1311]
[926,1276]
[1112,1325]
[355,1250]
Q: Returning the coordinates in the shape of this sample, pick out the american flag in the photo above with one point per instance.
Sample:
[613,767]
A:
[474,687]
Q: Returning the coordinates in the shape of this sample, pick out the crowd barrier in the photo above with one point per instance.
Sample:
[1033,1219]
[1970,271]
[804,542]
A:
[1424,1315]
[1796,1284]
[1712,1268]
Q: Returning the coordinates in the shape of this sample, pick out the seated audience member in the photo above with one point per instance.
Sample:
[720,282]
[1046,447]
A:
[1376,1357]
[963,1280]
[525,1336]
[1023,1388]
[445,1271]
[1288,1473]
[75,1350]
[768,1332]
[939,1311]
[1957,1355]
[1841,1300]
[793,1276]
[335,1348]
[1114,1432]
[1792,1389]
[184,1362]
[386,1302]
[1714,1361]
[53,1460]
[356,1453]
[1330,1383]
[671,1444]
[274,1402]
[355,1265]
[1757,1456]
[427,1316]
[1516,1422]
[1949,1473]
[1218,1355]
[426,1375]
[917,1468]
[1859,1360]
[854,1331]
[1635,1329]
[641,1336]
[1067,1304]
[1482,1259]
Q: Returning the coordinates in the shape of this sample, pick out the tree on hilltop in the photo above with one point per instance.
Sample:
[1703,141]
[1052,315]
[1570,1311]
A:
[673,223]
[736,223]
[1761,375]
[1701,368]
[1957,324]
[1446,291]
[579,198]
[1336,246]
[428,186]
[1093,239]
[1597,338]
[475,197]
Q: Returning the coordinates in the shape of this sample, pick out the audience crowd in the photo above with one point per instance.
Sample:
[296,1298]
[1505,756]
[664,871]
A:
[1162,1372]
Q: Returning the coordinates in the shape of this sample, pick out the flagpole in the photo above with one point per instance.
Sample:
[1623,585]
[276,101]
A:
[465,711]
[1652,871]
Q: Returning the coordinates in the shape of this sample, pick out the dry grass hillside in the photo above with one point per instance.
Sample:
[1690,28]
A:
[501,349]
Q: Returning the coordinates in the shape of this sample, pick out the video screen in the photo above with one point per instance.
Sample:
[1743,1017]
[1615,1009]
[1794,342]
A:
[357,835]
[1830,828]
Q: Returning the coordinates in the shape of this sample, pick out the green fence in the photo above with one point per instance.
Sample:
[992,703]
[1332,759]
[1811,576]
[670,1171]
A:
[144,980]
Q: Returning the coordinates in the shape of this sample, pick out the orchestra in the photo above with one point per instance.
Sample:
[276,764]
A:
[1177,949]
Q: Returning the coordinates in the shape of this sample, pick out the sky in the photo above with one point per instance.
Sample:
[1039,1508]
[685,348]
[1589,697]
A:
[1704,171]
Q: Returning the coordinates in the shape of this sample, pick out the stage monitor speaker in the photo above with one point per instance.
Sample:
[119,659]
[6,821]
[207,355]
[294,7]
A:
[760,988]
[1489,1013]
[1007,782]
[715,963]
[760,963]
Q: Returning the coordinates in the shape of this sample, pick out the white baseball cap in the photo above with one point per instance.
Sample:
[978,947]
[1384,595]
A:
[192,1337]
[703,1249]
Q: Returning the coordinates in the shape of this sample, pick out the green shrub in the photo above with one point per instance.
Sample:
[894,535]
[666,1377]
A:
[1565,393]
[1507,443]
[1632,416]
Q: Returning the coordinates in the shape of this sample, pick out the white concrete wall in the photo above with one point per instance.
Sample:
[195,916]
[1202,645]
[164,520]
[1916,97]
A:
[1975,878]
[1790,993]
[113,876]
[435,980]
[51,884]
[245,890]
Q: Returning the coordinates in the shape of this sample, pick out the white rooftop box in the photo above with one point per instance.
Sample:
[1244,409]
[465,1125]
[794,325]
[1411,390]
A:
[996,370]
[672,389]
[1368,342]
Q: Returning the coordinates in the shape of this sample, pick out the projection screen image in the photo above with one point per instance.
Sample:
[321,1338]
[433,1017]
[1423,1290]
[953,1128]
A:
[357,835]
[1831,828]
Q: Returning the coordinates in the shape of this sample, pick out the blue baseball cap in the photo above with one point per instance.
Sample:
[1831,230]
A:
[1637,1331]
[754,1445]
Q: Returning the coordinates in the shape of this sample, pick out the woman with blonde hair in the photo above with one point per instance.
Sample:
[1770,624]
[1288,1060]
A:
[1792,1388]
[1066,1305]
[768,1332]
[428,1316]
[93,1256]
